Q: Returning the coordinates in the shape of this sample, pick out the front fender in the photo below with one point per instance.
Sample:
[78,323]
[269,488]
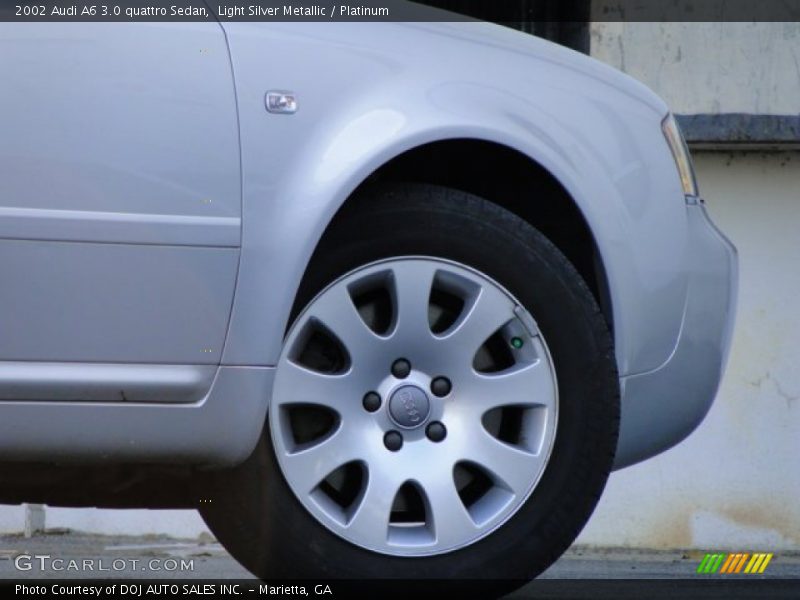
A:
[360,106]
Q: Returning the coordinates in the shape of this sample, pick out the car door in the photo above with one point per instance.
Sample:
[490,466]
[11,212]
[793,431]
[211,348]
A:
[120,209]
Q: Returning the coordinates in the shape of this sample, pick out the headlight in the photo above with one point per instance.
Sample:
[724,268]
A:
[680,151]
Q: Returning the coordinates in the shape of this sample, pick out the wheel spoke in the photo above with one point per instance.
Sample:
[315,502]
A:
[447,512]
[370,521]
[510,465]
[523,385]
[412,289]
[340,393]
[489,311]
[308,467]
[337,313]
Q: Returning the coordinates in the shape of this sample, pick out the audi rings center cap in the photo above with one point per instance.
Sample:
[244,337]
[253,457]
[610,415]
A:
[409,406]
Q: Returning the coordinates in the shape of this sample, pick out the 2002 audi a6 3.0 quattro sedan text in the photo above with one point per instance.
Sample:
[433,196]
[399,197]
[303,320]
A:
[379,299]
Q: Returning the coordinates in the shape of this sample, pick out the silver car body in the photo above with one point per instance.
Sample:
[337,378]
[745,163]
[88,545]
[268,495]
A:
[156,220]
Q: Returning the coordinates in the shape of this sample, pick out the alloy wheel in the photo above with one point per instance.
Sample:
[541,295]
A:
[414,406]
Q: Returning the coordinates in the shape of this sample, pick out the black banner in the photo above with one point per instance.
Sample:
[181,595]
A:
[655,589]
[513,11]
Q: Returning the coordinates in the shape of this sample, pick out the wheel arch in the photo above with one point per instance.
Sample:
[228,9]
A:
[508,178]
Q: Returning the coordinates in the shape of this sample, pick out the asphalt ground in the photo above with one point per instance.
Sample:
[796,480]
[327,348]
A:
[581,573]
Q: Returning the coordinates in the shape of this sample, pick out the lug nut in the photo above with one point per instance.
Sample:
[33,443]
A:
[441,386]
[372,401]
[393,441]
[436,431]
[401,368]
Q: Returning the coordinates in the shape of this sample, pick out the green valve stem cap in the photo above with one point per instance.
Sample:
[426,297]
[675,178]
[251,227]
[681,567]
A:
[517,342]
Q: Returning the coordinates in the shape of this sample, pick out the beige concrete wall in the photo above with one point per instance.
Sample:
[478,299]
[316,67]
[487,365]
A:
[709,67]
[735,482]
[12,518]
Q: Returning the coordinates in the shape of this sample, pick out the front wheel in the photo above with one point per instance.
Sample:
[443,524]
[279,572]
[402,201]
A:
[445,405]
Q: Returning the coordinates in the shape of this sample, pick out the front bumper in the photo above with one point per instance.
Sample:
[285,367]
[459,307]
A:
[660,408]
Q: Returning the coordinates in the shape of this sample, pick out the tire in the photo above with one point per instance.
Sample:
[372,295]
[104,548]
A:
[261,519]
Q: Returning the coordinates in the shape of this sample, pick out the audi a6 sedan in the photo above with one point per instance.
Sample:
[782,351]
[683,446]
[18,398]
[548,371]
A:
[379,299]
